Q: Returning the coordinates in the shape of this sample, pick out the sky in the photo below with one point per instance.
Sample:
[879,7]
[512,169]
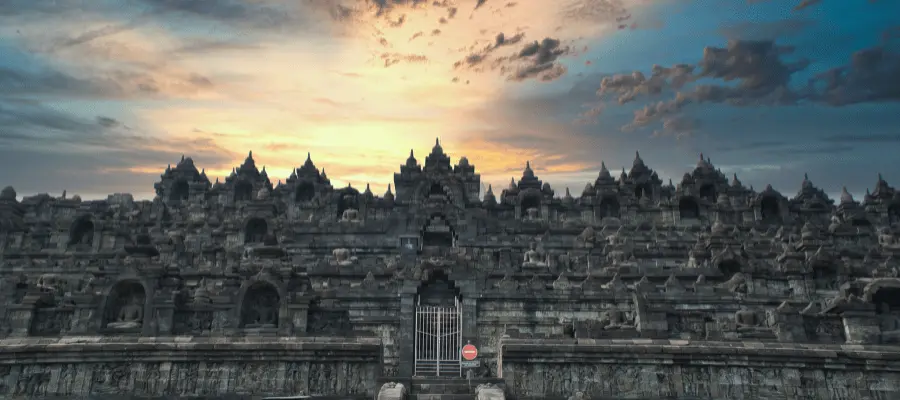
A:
[99,96]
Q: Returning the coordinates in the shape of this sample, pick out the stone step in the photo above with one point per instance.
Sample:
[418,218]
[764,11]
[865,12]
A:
[442,397]
[438,380]
[443,388]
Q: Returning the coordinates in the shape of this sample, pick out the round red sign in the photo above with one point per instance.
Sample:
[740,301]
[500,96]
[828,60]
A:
[469,352]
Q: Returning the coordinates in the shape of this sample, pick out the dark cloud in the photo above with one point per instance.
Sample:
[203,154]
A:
[806,3]
[751,72]
[765,30]
[534,60]
[862,138]
[52,144]
[104,31]
[678,126]
[870,76]
[396,58]
[108,122]
[250,13]
[630,86]
[539,60]
[35,78]
[475,58]
[43,80]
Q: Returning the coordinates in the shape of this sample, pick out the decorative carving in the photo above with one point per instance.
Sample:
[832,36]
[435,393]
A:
[260,307]
[534,257]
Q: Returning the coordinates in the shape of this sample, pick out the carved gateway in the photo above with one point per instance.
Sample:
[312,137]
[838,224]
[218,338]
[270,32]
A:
[705,259]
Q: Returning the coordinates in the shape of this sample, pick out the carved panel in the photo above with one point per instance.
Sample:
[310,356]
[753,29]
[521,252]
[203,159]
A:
[50,321]
[824,329]
[321,321]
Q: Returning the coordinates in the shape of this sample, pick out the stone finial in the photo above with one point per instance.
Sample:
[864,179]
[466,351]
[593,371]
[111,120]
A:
[8,193]
[846,197]
[673,285]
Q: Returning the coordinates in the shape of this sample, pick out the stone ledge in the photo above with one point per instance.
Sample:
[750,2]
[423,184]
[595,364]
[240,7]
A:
[699,352]
[186,348]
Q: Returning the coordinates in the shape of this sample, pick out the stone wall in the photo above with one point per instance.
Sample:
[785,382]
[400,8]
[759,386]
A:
[188,366]
[648,369]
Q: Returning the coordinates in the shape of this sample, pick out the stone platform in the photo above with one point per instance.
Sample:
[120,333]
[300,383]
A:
[684,369]
[188,367]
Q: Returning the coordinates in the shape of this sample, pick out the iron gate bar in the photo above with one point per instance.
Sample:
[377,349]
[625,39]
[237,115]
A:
[438,340]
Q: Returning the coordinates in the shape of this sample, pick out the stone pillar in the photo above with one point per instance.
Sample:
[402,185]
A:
[789,324]
[650,325]
[406,341]
[469,309]
[84,314]
[20,315]
[861,327]
[161,321]
[299,313]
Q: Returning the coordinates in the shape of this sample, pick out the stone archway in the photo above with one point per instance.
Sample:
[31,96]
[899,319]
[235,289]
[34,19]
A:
[770,210]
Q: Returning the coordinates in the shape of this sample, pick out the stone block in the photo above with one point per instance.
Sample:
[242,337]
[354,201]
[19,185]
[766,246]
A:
[392,391]
[489,391]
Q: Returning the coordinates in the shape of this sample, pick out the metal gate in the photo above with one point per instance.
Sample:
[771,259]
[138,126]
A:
[438,340]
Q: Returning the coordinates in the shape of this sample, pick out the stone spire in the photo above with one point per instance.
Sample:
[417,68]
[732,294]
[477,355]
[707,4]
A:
[411,160]
[528,172]
[637,159]
[846,197]
[604,173]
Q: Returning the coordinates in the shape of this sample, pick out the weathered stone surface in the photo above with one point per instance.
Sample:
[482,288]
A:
[301,288]
[392,391]
[489,391]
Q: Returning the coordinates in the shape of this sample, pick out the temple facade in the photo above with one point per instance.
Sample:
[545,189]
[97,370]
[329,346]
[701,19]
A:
[704,289]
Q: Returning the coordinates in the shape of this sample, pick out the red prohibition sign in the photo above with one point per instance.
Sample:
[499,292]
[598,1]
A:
[469,352]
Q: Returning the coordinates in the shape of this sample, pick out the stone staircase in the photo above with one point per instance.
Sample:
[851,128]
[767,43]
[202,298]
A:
[440,388]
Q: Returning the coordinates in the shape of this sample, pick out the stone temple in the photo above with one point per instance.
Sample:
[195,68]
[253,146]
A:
[636,289]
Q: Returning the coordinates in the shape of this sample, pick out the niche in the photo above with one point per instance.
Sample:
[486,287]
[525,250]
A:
[893,213]
[770,210]
[125,306]
[729,267]
[243,191]
[608,208]
[82,232]
[49,320]
[180,191]
[708,192]
[530,207]
[642,190]
[347,201]
[887,299]
[256,230]
[323,318]
[688,208]
[260,306]
[305,192]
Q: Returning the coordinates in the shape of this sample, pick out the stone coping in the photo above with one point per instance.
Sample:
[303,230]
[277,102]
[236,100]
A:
[80,349]
[688,351]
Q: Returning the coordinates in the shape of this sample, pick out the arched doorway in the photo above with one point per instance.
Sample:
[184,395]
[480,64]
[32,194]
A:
[770,210]
[438,328]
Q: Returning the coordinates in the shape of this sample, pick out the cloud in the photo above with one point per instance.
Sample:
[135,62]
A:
[755,73]
[51,143]
[678,126]
[765,30]
[870,76]
[630,86]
